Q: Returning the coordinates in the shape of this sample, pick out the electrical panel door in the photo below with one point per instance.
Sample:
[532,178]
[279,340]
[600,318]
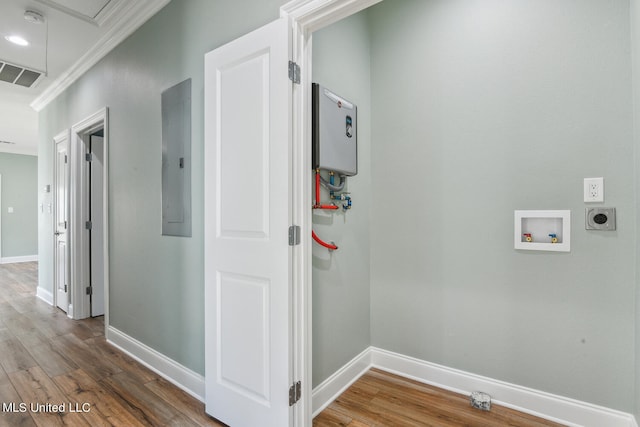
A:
[176,160]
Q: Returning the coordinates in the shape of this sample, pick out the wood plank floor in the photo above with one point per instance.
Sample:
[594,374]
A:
[45,358]
[382,399]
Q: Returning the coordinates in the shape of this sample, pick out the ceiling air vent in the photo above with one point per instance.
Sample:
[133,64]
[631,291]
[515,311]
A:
[18,75]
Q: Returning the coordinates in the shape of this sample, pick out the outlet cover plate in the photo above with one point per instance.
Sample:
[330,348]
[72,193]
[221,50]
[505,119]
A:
[593,190]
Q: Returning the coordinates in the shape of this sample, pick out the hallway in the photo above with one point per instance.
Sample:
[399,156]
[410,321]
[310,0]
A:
[55,371]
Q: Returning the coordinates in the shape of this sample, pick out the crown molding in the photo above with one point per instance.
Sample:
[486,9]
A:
[128,17]
[109,12]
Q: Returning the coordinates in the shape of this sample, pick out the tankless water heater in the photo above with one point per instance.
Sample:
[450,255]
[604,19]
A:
[335,136]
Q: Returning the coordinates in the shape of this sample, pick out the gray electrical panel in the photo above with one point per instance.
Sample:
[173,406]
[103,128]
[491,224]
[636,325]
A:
[176,160]
[335,135]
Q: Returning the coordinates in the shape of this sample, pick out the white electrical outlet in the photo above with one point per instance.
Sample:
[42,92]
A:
[593,190]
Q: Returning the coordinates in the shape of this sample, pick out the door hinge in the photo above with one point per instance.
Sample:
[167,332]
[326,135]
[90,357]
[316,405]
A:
[87,225]
[65,288]
[294,235]
[89,290]
[294,72]
[88,157]
[294,393]
[65,158]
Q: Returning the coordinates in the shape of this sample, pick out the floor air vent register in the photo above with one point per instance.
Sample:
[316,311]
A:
[17,75]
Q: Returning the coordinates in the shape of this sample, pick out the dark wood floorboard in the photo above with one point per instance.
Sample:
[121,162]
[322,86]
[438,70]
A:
[46,358]
[381,399]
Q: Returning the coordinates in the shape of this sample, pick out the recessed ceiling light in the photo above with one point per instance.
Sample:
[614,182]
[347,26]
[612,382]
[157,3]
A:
[17,40]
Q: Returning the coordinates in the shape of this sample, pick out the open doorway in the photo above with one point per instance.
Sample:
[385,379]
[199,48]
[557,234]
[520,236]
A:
[442,89]
[89,218]
[275,132]
[95,226]
[428,263]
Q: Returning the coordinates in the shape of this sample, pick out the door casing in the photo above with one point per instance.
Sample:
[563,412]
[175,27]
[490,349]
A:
[79,213]
[307,16]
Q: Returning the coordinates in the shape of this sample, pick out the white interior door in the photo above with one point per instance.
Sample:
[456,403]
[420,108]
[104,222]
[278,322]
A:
[96,168]
[61,221]
[248,356]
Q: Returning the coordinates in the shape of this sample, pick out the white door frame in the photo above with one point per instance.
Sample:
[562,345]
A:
[79,239]
[307,16]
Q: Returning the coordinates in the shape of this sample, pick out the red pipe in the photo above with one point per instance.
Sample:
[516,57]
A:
[317,205]
[329,246]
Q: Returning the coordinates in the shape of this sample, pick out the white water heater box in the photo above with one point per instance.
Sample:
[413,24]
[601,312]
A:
[335,135]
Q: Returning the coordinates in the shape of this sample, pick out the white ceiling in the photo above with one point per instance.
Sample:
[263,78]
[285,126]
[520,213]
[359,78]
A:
[75,35]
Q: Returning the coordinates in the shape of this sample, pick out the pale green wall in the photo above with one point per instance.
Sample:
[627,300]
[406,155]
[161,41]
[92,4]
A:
[20,191]
[156,282]
[341,305]
[635,44]
[481,107]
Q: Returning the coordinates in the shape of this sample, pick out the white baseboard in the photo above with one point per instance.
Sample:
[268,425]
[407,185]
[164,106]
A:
[336,384]
[544,405]
[560,409]
[44,295]
[188,380]
[15,259]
